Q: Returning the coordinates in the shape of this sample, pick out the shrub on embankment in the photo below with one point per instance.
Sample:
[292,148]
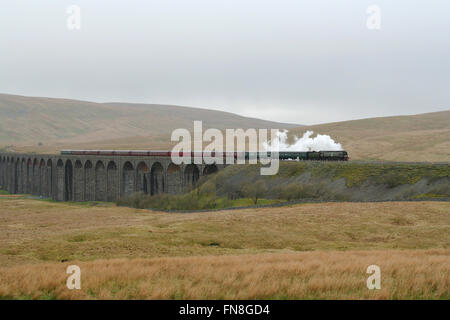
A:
[192,201]
[319,181]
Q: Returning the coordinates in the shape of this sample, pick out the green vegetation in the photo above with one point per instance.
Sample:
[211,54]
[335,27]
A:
[3,192]
[354,173]
[190,201]
[312,180]
[391,175]
[242,185]
[291,169]
[429,196]
[294,191]
[255,191]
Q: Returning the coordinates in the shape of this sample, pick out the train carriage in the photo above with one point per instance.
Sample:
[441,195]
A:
[282,155]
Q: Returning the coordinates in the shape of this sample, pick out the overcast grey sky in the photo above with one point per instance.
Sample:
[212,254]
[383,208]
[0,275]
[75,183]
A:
[293,61]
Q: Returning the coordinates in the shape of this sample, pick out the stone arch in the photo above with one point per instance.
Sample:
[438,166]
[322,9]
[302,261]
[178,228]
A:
[11,175]
[7,173]
[89,181]
[68,181]
[143,178]
[59,185]
[78,182]
[112,182]
[42,178]
[157,182]
[49,178]
[191,175]
[174,179]
[210,169]
[16,176]
[29,177]
[100,181]
[2,172]
[36,177]
[128,179]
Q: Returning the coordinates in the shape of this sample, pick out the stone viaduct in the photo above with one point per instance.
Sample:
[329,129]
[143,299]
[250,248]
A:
[96,178]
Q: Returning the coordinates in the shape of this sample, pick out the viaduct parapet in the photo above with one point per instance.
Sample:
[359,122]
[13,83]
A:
[96,178]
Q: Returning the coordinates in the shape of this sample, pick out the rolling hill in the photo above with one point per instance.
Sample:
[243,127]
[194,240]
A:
[45,124]
[422,137]
[48,125]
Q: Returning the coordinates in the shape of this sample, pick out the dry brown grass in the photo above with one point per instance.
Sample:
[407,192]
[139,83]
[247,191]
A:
[251,253]
[33,231]
[405,274]
[47,125]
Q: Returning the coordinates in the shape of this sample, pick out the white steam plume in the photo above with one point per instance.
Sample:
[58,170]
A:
[321,142]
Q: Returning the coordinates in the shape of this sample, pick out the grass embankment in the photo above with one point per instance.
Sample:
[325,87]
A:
[251,253]
[6,194]
[242,185]
[390,175]
[354,173]
[192,201]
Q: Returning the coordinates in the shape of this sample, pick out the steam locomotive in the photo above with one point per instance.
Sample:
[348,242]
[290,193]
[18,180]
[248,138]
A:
[283,155]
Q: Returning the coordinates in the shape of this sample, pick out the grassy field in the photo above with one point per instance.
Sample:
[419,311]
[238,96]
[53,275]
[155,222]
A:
[302,251]
[405,274]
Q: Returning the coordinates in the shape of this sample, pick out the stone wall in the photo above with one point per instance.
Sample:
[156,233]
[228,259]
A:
[89,178]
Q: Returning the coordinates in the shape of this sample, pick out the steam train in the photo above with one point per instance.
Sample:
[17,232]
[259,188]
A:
[283,155]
